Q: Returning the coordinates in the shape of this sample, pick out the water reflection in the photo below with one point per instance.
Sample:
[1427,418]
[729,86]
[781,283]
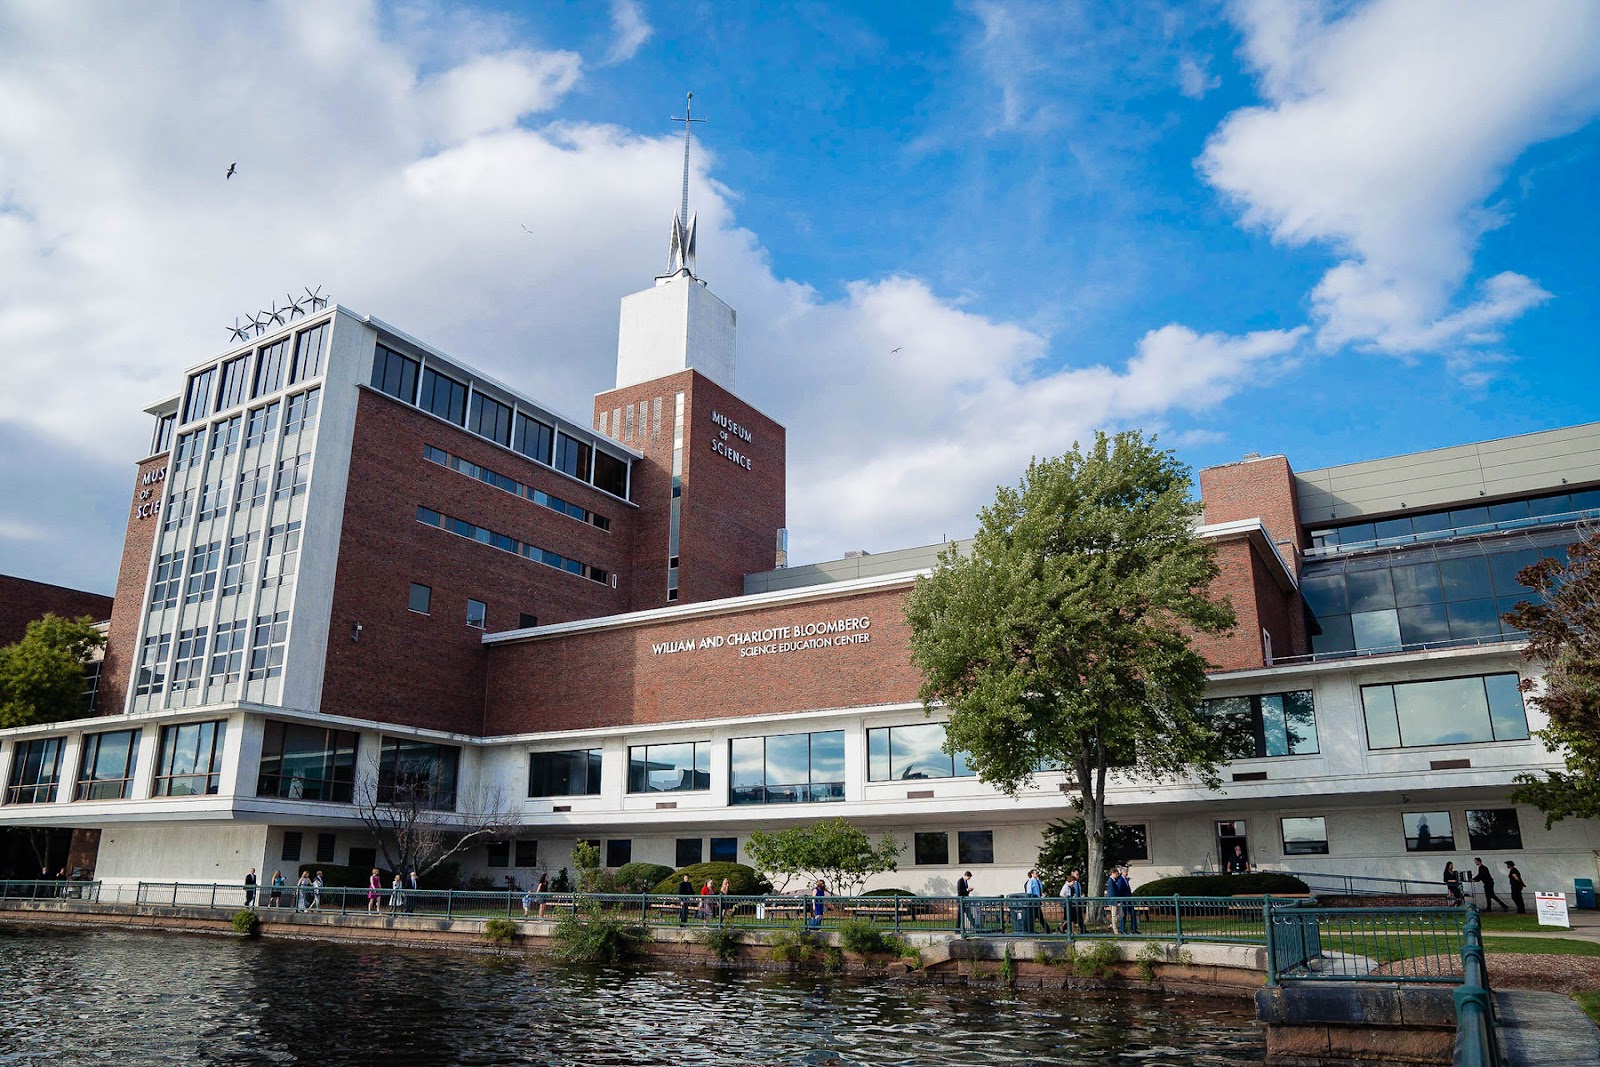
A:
[138,999]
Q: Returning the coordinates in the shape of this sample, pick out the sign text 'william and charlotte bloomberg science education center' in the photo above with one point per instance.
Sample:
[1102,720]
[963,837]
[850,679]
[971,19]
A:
[778,640]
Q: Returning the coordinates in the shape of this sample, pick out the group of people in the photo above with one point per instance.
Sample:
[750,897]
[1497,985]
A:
[538,894]
[1122,918]
[710,907]
[1483,874]
[308,891]
[397,891]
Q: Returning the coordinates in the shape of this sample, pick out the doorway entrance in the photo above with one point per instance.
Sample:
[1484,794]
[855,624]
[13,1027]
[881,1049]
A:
[1231,833]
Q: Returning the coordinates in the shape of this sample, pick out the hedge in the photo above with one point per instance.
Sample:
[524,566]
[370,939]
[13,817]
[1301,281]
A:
[743,880]
[639,877]
[1223,885]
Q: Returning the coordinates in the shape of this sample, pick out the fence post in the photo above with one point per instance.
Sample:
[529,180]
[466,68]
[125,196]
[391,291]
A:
[1177,919]
[897,913]
[1272,943]
[449,903]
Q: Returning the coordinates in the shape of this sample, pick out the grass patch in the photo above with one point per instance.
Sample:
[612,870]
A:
[1500,922]
[1541,946]
[1589,1002]
[499,931]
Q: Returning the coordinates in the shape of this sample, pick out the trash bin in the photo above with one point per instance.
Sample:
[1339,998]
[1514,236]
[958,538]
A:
[1022,911]
[1583,889]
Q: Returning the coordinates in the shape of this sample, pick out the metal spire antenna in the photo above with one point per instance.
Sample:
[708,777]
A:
[680,254]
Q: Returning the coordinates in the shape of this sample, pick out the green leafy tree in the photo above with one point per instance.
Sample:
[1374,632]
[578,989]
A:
[41,676]
[1564,635]
[1062,637]
[839,853]
[1066,846]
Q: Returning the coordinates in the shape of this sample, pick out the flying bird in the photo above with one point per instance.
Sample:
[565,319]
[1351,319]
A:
[231,168]
[525,229]
[892,351]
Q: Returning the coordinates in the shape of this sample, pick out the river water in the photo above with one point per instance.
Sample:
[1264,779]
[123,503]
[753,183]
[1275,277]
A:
[135,999]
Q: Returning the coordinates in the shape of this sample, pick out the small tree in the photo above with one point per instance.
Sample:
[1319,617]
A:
[412,830]
[840,854]
[41,676]
[1564,635]
[1062,639]
[1066,846]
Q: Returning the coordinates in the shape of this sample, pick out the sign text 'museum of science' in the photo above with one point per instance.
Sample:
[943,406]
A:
[777,640]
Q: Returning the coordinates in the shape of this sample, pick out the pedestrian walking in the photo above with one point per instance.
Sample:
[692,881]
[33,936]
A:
[1072,912]
[685,895]
[1035,889]
[818,903]
[1514,877]
[302,892]
[374,890]
[316,891]
[1485,878]
[966,919]
[250,888]
[397,894]
[277,888]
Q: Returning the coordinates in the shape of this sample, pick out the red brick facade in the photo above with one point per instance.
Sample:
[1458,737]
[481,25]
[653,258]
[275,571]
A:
[624,675]
[427,670]
[1257,488]
[730,513]
[1247,580]
[22,601]
[144,523]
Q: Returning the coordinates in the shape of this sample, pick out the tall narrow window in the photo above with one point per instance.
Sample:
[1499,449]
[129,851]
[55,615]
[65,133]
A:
[197,401]
[477,614]
[267,647]
[490,419]
[573,456]
[105,769]
[235,387]
[270,368]
[395,374]
[190,760]
[308,353]
[533,439]
[35,771]
[445,397]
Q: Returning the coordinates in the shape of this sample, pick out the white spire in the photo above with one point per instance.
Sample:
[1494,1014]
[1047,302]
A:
[680,251]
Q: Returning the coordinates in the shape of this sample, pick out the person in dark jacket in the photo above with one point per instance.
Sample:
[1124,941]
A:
[1514,876]
[685,894]
[1452,881]
[1485,878]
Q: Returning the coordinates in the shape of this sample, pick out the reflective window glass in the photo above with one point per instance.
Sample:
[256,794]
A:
[931,848]
[1369,590]
[1473,618]
[1424,625]
[1307,836]
[1416,584]
[1333,635]
[1493,829]
[1428,831]
[1375,629]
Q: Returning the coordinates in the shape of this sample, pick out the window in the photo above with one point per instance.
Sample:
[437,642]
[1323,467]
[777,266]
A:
[301,413]
[308,353]
[190,664]
[497,854]
[270,368]
[259,425]
[235,386]
[524,620]
[271,635]
[162,439]
[619,853]
[225,438]
[1445,711]
[1307,836]
[167,581]
[931,849]
[515,488]
[669,768]
[911,753]
[204,563]
[327,847]
[507,543]
[255,483]
[292,840]
[395,374]
[418,772]
[724,850]
[974,846]
[188,452]
[190,760]
[610,474]
[1277,724]
[533,439]
[490,419]
[1493,829]
[477,614]
[363,859]
[282,555]
[197,401]
[293,474]
[564,774]
[421,597]
[306,763]
[1428,831]
[236,562]
[213,500]
[179,508]
[105,769]
[572,456]
[787,768]
[689,851]
[227,652]
[152,676]
[35,769]
[445,397]
[527,852]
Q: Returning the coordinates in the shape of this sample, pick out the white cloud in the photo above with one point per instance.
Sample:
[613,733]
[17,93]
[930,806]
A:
[1386,128]
[403,190]
[631,28]
[1194,80]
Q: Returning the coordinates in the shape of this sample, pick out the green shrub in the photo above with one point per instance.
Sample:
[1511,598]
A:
[1008,966]
[590,935]
[246,922]
[1222,885]
[743,880]
[1095,961]
[912,955]
[888,893]
[723,941]
[795,945]
[863,937]
[833,959]
[642,877]
[1152,954]
[499,931]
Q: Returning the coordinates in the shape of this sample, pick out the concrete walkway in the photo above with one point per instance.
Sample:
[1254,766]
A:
[1545,1030]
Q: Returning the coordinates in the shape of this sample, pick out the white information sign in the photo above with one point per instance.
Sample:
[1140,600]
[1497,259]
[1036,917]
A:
[1552,909]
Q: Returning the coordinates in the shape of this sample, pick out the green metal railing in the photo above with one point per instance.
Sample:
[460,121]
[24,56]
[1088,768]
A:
[50,889]
[1365,944]
[1476,1045]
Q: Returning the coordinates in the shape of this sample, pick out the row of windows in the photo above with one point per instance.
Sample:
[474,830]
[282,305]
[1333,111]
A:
[1488,829]
[215,568]
[514,487]
[188,763]
[616,851]
[274,365]
[1434,525]
[399,376]
[224,664]
[420,600]
[1422,596]
[507,543]
[1274,724]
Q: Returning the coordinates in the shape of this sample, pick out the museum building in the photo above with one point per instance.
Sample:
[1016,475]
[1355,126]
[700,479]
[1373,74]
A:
[353,561]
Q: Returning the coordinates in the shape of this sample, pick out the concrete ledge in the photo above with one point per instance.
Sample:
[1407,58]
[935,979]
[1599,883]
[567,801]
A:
[1346,1024]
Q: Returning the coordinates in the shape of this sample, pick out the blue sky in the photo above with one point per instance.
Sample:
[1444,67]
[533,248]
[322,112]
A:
[1337,230]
